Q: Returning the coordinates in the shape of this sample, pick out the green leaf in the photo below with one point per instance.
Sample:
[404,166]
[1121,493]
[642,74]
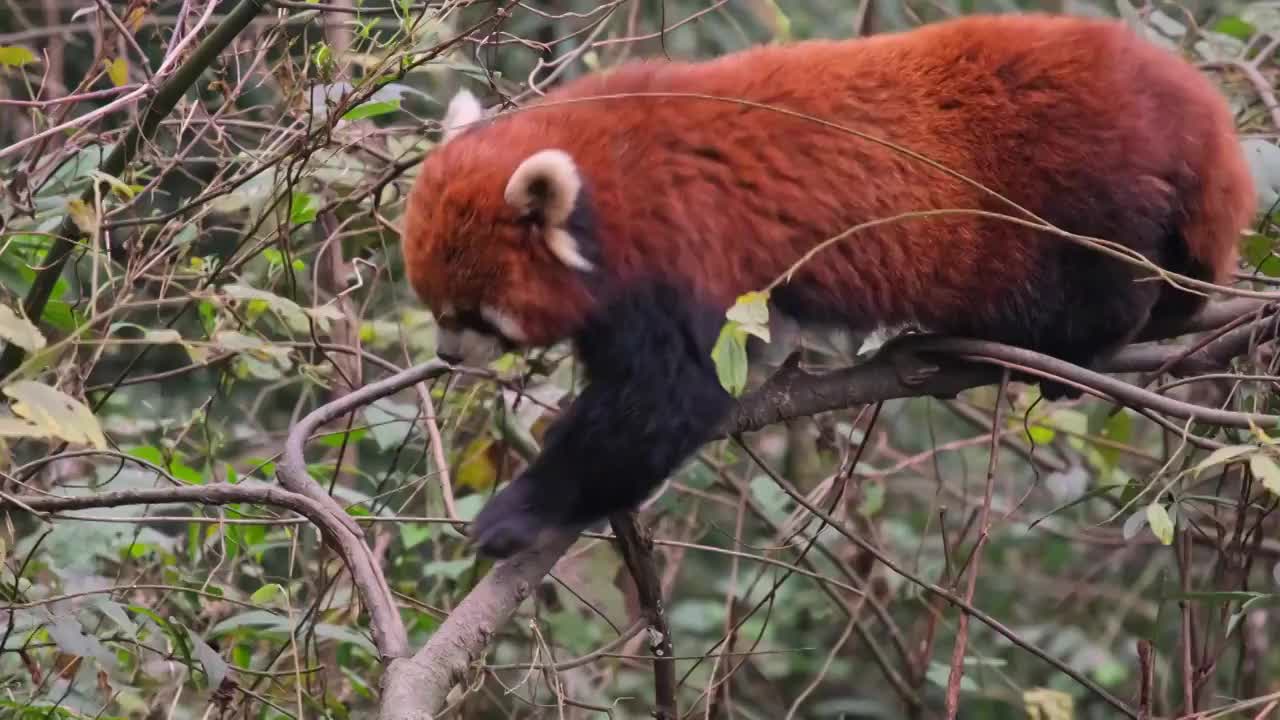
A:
[1266,470]
[940,674]
[302,209]
[117,614]
[15,56]
[214,666]
[292,313]
[474,468]
[1160,522]
[1259,251]
[448,569]
[56,413]
[390,423]
[61,316]
[414,534]
[343,438]
[730,358]
[1041,435]
[1235,27]
[1119,427]
[372,108]
[1246,606]
[68,634]
[150,453]
[872,499]
[266,594]
[19,331]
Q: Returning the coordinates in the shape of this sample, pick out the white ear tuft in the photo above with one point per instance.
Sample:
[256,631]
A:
[546,183]
[464,109]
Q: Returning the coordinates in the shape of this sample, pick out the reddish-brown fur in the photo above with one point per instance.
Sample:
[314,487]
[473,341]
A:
[689,202]
[731,196]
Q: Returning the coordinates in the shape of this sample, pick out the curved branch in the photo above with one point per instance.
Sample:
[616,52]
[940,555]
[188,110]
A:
[388,632]
[292,469]
[387,627]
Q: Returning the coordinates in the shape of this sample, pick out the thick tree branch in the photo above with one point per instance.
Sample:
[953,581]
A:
[413,689]
[793,393]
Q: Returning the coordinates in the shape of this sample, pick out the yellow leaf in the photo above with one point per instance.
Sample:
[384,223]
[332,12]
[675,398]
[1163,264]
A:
[56,413]
[83,215]
[13,427]
[1046,704]
[133,20]
[1160,522]
[19,331]
[751,312]
[476,470]
[121,188]
[1266,471]
[117,70]
[15,56]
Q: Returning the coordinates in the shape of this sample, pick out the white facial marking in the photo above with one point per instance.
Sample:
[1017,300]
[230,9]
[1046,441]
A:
[564,246]
[506,324]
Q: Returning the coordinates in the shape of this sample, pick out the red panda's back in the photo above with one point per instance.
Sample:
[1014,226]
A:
[1074,119]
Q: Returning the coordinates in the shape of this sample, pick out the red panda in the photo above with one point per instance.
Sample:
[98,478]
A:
[629,224]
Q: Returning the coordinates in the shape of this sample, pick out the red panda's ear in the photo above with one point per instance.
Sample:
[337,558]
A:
[545,186]
[463,111]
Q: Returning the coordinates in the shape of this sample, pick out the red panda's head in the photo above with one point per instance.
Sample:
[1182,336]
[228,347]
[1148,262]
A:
[496,236]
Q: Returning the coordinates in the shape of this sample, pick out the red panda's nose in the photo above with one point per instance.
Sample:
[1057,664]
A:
[449,346]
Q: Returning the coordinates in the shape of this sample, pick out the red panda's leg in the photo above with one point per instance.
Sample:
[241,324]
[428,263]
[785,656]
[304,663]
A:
[652,400]
[1101,306]
[1081,308]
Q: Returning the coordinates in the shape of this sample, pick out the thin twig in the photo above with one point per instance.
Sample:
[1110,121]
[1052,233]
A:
[984,531]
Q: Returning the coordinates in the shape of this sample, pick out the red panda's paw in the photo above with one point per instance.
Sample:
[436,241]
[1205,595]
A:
[514,520]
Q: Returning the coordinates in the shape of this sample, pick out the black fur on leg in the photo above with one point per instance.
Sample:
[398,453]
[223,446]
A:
[652,400]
